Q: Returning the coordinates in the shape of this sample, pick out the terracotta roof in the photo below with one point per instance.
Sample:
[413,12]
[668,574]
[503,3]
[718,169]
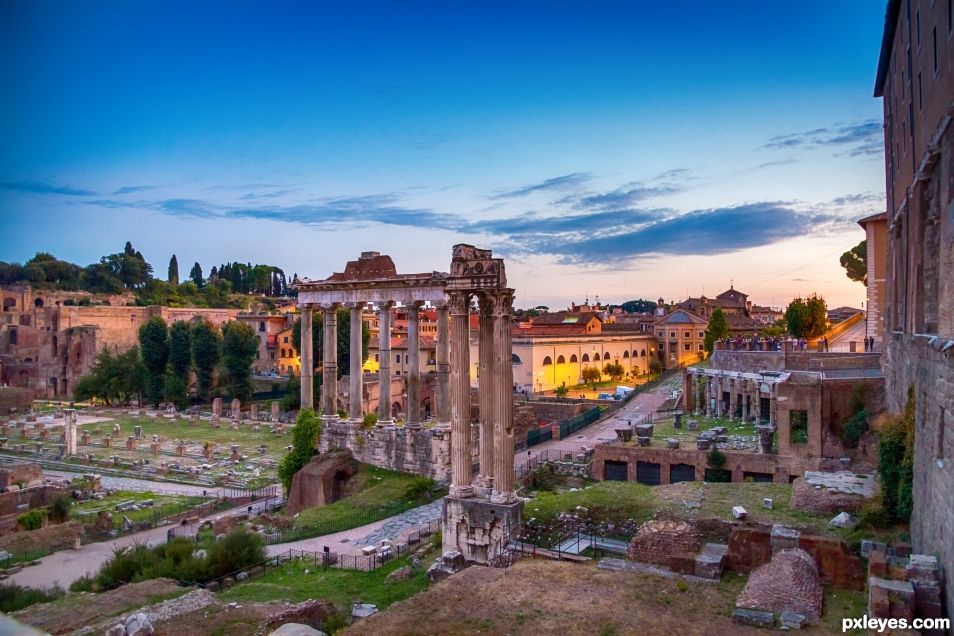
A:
[565,317]
[881,216]
[681,316]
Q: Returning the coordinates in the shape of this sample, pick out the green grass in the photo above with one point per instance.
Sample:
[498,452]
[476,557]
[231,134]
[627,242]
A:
[375,487]
[624,500]
[162,504]
[341,587]
[839,604]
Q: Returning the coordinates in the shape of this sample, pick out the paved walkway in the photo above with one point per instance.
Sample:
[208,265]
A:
[855,333]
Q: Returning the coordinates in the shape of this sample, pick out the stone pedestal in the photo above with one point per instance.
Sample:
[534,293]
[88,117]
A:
[217,407]
[479,529]
[275,411]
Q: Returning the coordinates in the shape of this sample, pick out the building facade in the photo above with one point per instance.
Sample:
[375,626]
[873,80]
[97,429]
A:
[915,80]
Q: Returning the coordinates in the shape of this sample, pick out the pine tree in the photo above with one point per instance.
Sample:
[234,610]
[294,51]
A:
[196,275]
[718,329]
[173,270]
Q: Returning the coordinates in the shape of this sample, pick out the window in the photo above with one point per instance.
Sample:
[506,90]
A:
[586,357]
[285,340]
[686,347]
[672,347]
[261,325]
[626,354]
[798,427]
[702,347]
[660,334]
[685,334]
[377,357]
[398,356]
[642,353]
[702,334]
[561,360]
[573,358]
[672,334]
[13,336]
[547,361]
[515,359]
[606,356]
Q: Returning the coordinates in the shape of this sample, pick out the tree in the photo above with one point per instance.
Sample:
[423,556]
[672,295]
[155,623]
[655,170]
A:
[614,370]
[154,345]
[855,262]
[807,318]
[796,318]
[239,348]
[591,375]
[173,270]
[112,378]
[561,391]
[196,275]
[304,442]
[718,329]
[817,316]
[180,364]
[206,344]
[344,340]
[639,306]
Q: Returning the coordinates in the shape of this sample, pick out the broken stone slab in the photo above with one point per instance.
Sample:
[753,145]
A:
[756,618]
[783,538]
[702,443]
[843,520]
[672,443]
[116,630]
[643,430]
[138,625]
[709,561]
[692,425]
[296,629]
[739,512]
[363,610]
[768,503]
[791,620]
[643,441]
[868,546]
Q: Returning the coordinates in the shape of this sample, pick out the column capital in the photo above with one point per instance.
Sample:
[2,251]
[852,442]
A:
[459,302]
[499,302]
[327,306]
[357,305]
[414,304]
[386,305]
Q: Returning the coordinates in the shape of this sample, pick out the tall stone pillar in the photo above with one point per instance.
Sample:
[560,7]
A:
[414,365]
[733,391]
[329,386]
[355,373]
[486,367]
[384,362]
[307,359]
[461,476]
[503,492]
[443,369]
[720,411]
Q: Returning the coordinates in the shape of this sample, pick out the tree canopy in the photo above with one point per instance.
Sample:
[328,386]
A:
[718,329]
[239,348]
[640,305]
[304,441]
[855,262]
[807,318]
[344,340]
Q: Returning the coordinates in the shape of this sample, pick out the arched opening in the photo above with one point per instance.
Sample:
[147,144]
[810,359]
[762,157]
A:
[66,386]
[626,354]
[642,353]
[261,325]
[13,336]
[586,357]
[573,358]
[426,407]
[38,302]
[561,360]
[9,304]
[53,387]
[547,361]
[395,410]
[606,356]
[24,378]
[55,342]
[515,359]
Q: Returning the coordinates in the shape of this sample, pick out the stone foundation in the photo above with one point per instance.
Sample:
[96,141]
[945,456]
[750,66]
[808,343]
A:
[479,529]
[418,451]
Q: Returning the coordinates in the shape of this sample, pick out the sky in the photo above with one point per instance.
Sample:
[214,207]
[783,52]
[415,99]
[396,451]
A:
[605,149]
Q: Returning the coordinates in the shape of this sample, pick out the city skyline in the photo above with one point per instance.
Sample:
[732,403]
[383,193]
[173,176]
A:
[601,155]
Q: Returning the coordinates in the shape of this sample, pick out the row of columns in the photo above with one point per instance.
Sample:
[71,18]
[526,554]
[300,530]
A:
[329,395]
[744,389]
[495,478]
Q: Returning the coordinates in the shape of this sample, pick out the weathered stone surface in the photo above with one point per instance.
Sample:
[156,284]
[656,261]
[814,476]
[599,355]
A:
[709,562]
[890,599]
[788,583]
[656,541]
[116,630]
[401,574]
[450,562]
[791,620]
[843,520]
[830,493]
[322,480]
[739,512]
[784,538]
[756,618]
[138,625]
[363,610]
[296,629]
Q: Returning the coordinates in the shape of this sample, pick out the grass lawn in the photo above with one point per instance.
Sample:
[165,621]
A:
[373,487]
[623,500]
[341,587]
[162,505]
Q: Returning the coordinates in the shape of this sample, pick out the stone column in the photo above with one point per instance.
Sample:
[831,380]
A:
[719,406]
[329,377]
[355,373]
[414,365]
[732,399]
[307,359]
[384,361]
[443,369]
[461,470]
[486,366]
[504,478]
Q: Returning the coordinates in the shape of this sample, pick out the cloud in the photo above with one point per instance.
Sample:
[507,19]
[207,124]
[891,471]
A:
[863,138]
[626,196]
[187,207]
[132,189]
[858,199]
[533,225]
[564,182]
[41,187]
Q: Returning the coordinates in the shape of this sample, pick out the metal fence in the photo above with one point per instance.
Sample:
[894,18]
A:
[539,435]
[572,425]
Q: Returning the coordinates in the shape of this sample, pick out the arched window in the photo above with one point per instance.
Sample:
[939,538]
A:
[515,359]
[642,353]
[38,302]
[606,356]
[573,358]
[561,360]
[13,336]
[547,360]
[9,304]
[586,357]
[626,354]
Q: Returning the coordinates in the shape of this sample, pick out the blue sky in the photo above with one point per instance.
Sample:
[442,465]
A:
[618,149]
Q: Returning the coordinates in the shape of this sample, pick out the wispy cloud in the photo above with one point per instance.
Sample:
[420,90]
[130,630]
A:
[188,207]
[130,189]
[863,138]
[626,196]
[564,182]
[44,187]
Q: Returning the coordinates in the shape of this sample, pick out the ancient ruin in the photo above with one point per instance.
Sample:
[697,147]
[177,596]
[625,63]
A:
[479,513]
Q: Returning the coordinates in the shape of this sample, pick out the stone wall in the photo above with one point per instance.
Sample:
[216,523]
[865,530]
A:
[14,398]
[418,451]
[24,475]
[658,541]
[912,361]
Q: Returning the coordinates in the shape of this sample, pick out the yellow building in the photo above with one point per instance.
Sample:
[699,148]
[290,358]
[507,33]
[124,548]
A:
[289,362]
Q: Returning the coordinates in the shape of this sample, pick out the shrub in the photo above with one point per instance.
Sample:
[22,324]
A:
[420,488]
[716,458]
[544,478]
[14,597]
[853,428]
[872,514]
[60,509]
[370,419]
[304,441]
[31,520]
[896,462]
[239,549]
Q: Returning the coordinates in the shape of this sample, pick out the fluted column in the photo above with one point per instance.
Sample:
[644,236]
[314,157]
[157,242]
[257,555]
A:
[414,365]
[384,361]
[355,374]
[503,491]
[307,359]
[733,398]
[485,391]
[443,369]
[329,373]
[461,470]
